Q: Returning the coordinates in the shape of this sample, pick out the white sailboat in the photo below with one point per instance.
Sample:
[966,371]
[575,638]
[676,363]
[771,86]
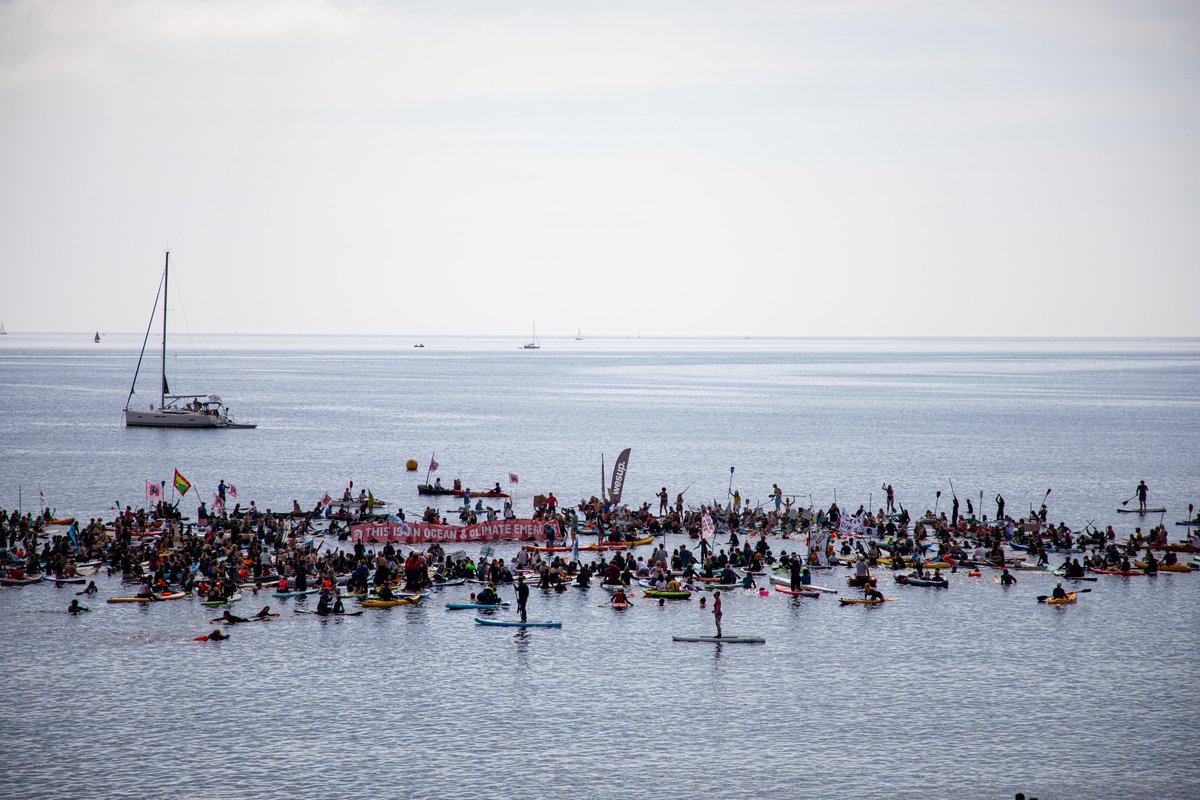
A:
[535,344]
[579,335]
[174,410]
[2,331]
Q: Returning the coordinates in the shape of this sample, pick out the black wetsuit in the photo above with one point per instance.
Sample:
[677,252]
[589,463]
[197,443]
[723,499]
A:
[523,598]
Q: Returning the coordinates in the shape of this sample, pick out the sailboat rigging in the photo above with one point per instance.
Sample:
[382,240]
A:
[535,344]
[174,410]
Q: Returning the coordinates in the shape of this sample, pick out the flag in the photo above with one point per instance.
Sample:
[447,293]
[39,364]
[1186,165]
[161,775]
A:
[512,478]
[73,532]
[433,465]
[618,478]
[182,484]
[326,501]
[154,490]
[232,491]
[708,528]
[218,504]
[370,500]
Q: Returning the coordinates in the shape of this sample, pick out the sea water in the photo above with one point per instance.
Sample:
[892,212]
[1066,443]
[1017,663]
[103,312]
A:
[974,691]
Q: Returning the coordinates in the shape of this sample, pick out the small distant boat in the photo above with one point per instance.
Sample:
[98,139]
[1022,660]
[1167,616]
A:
[199,411]
[419,344]
[535,344]
[2,331]
[97,338]
[579,335]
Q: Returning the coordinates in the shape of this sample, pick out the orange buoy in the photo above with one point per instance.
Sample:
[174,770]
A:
[411,465]
[973,573]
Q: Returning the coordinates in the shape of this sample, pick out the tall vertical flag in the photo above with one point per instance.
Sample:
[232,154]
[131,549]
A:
[182,484]
[154,490]
[708,529]
[618,478]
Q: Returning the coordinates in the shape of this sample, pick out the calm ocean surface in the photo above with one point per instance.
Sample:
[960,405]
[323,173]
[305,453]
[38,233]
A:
[970,692]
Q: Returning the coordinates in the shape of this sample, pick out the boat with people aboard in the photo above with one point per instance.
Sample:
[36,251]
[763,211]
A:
[173,410]
[458,490]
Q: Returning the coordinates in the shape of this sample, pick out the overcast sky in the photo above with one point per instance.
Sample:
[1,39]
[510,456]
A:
[668,168]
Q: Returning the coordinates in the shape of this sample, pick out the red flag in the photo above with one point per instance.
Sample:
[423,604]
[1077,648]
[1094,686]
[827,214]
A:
[154,491]
[433,465]
[326,500]
[512,477]
[232,491]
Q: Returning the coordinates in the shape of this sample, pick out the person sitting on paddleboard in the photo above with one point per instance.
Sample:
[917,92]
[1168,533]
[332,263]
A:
[488,596]
[871,593]
[1059,592]
[619,597]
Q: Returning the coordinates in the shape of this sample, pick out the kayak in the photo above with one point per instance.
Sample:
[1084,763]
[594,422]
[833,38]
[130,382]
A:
[1177,548]
[716,587]
[26,581]
[452,582]
[668,595]
[460,606]
[175,596]
[1060,601]
[1118,571]
[399,601]
[305,593]
[1166,567]
[721,639]
[516,623]
[1139,511]
[797,592]
[848,602]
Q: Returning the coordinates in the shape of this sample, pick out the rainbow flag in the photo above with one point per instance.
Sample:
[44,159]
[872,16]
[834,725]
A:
[182,484]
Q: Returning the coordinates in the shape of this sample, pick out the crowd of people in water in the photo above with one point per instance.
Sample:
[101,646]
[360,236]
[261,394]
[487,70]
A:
[220,557]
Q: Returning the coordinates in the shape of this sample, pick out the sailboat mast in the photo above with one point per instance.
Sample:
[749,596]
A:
[162,384]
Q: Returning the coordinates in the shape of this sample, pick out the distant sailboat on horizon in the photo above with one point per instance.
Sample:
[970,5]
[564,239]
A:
[579,335]
[2,331]
[535,344]
[97,339]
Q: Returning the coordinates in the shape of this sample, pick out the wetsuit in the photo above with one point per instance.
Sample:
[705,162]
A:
[523,597]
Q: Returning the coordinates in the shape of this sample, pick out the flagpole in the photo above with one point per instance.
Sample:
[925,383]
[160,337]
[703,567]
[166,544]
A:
[429,471]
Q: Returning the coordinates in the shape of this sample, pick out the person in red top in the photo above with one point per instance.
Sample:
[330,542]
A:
[717,611]
[552,503]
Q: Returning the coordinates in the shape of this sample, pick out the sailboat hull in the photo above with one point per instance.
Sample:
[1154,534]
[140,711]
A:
[177,418]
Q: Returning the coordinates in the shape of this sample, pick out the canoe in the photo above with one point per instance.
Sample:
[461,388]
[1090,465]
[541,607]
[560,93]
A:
[721,639]
[1139,511]
[425,488]
[399,601]
[848,602]
[668,595]
[305,593]
[1177,548]
[460,606]
[175,596]
[797,592]
[1059,601]
[452,582]
[1166,567]
[586,548]
[516,623]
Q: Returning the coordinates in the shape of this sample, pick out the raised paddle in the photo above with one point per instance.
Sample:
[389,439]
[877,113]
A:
[1130,500]
[1043,597]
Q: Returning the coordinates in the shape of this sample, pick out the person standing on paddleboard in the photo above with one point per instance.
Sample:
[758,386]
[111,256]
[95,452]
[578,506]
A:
[522,596]
[717,611]
[1143,491]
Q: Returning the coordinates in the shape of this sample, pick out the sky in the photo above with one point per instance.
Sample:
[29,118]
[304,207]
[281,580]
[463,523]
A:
[652,167]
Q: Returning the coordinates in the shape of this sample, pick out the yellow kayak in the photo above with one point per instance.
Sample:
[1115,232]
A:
[399,601]
[1060,601]
[172,596]
[1166,567]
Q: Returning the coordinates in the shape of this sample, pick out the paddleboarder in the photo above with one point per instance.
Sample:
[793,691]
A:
[717,611]
[522,596]
[1143,491]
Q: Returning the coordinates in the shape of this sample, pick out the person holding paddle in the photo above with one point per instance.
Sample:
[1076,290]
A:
[1142,492]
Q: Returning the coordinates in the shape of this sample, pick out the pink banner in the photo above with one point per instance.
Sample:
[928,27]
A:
[417,532]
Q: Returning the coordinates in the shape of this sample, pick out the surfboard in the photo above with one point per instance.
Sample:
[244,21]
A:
[721,639]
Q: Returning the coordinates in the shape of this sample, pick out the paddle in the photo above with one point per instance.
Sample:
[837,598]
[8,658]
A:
[1043,597]
[1130,500]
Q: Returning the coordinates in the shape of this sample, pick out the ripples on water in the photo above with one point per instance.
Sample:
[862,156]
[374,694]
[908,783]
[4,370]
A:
[975,691]
[970,692]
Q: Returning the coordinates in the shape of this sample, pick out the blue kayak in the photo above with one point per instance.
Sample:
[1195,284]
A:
[458,606]
[516,623]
